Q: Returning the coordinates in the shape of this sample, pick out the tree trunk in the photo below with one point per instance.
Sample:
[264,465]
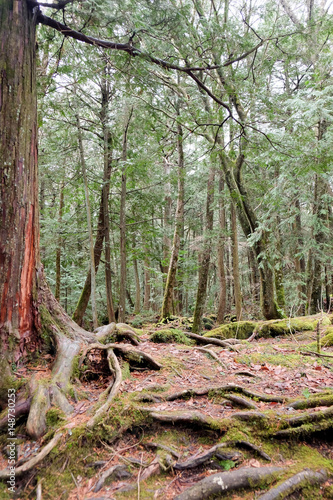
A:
[59,244]
[167,306]
[19,247]
[146,300]
[205,260]
[107,145]
[137,304]
[122,225]
[235,262]
[166,218]
[90,233]
[220,255]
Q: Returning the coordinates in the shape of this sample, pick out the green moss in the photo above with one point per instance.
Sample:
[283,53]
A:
[125,370]
[166,336]
[53,417]
[239,330]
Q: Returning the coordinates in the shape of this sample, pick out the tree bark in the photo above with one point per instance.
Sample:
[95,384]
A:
[122,225]
[59,244]
[167,306]
[90,234]
[19,212]
[220,255]
[205,260]
[235,262]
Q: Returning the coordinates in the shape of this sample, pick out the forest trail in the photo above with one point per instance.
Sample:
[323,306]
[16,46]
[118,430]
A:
[206,411]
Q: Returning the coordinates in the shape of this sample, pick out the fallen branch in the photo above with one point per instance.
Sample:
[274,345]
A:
[298,481]
[30,464]
[312,353]
[221,483]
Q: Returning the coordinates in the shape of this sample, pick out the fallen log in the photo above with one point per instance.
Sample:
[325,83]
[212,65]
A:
[223,482]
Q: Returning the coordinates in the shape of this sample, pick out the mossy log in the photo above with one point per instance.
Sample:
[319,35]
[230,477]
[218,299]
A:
[221,483]
[299,481]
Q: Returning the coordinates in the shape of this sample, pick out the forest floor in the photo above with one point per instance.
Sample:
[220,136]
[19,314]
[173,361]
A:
[163,423]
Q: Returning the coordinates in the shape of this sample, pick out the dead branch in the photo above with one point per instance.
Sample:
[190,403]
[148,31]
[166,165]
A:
[298,481]
[319,355]
[216,484]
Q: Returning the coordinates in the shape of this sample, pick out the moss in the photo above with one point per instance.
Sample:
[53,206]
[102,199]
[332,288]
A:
[326,341]
[239,330]
[167,336]
[125,370]
[53,417]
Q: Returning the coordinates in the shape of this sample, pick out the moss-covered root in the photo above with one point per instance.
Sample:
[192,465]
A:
[297,482]
[216,484]
[318,400]
[53,392]
[133,356]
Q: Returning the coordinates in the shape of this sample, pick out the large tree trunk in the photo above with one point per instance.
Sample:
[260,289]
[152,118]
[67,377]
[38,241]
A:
[19,227]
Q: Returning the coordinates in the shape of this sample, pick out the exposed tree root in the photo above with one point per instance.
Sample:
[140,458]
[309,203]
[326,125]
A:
[183,417]
[305,478]
[162,447]
[247,416]
[30,464]
[133,356]
[216,484]
[114,388]
[249,446]
[304,430]
[203,340]
[318,400]
[216,451]
[120,331]
[240,401]
[310,417]
[212,354]
[118,471]
[214,390]
[22,407]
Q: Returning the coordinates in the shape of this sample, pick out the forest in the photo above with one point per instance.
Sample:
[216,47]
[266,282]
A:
[166,284]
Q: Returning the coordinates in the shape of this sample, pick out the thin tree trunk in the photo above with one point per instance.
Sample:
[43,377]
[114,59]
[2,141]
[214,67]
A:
[90,233]
[299,258]
[107,140]
[166,218]
[235,262]
[146,300]
[220,255]
[59,244]
[205,260]
[122,225]
[137,305]
[167,306]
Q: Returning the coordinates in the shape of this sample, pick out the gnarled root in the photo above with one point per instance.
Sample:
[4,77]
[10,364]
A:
[298,481]
[215,484]
[114,389]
